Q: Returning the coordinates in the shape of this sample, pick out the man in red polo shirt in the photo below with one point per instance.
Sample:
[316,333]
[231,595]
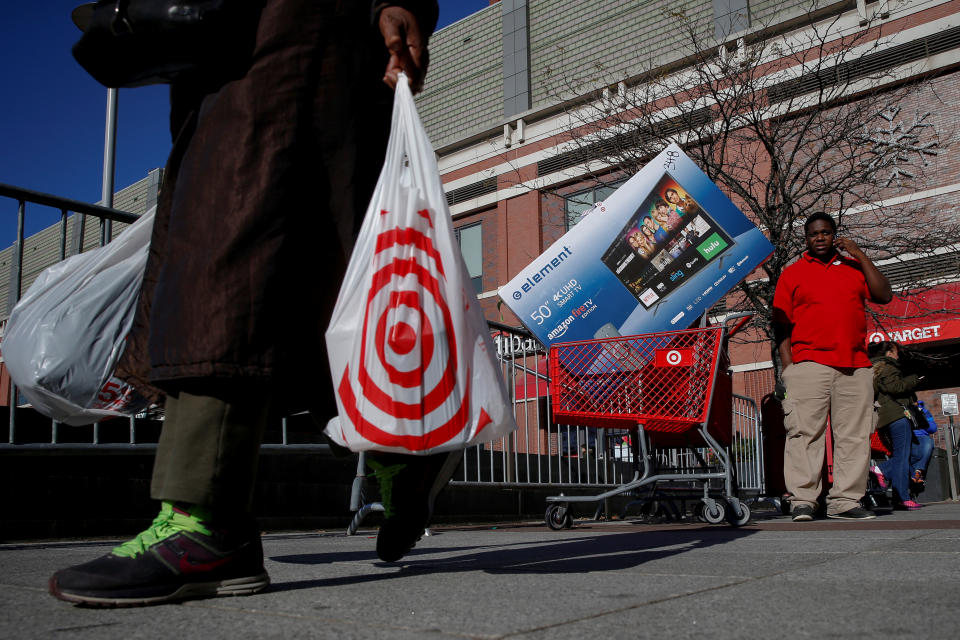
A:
[820,329]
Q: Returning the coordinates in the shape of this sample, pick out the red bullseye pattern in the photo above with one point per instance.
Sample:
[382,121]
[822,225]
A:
[409,335]
[403,338]
[385,344]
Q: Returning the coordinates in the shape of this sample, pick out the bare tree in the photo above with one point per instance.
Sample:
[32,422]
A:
[786,123]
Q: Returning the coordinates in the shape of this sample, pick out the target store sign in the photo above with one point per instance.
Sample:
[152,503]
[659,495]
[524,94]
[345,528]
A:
[906,335]
[673,357]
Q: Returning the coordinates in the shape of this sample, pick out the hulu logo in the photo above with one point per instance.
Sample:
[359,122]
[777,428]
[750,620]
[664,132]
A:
[713,245]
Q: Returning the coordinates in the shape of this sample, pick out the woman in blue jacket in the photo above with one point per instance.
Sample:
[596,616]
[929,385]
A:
[921,450]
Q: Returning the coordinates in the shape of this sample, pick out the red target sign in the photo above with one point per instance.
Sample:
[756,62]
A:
[408,366]
[674,357]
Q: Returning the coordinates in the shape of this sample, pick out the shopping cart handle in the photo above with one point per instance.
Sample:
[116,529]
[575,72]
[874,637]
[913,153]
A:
[742,319]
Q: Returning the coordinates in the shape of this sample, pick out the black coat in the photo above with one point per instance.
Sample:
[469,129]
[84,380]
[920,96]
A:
[262,197]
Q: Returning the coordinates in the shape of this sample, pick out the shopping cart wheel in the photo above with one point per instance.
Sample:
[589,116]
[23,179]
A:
[741,518]
[558,517]
[714,513]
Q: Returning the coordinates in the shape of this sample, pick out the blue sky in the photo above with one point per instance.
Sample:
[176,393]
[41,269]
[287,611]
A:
[52,114]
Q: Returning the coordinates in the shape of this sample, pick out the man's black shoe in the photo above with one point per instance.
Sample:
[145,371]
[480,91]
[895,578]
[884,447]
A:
[802,513]
[408,487]
[177,558]
[857,513]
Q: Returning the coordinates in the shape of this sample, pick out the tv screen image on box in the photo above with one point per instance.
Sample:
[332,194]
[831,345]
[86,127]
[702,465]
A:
[668,239]
[654,255]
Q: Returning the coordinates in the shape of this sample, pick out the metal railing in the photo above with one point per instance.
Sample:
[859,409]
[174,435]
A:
[540,453]
[747,446]
[15,287]
[65,205]
[947,437]
[544,453]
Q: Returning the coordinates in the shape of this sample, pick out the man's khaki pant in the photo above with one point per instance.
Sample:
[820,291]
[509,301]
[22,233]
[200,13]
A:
[815,391]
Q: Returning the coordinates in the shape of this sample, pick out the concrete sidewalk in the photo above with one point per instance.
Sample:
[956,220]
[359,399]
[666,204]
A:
[894,577]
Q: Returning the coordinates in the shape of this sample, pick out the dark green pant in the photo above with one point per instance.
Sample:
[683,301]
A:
[209,448]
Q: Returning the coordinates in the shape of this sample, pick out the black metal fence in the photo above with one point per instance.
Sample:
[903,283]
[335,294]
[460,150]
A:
[539,453]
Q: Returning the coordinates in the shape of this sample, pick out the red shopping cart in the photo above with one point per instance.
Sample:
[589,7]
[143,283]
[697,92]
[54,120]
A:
[674,389]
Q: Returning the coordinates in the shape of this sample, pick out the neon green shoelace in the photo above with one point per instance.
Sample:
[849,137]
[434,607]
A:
[385,475]
[167,523]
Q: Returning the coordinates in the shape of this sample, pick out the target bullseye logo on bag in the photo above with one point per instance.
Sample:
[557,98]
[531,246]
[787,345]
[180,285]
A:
[410,352]
[674,357]
[406,309]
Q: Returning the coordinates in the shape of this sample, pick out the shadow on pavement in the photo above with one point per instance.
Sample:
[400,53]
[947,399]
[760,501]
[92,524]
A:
[611,552]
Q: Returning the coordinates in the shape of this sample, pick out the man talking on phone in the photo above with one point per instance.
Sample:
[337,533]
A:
[820,329]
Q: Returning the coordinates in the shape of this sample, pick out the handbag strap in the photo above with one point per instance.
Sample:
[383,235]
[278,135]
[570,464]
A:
[121,21]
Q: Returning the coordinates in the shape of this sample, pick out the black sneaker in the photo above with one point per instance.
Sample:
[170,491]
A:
[408,487]
[802,513]
[177,558]
[857,513]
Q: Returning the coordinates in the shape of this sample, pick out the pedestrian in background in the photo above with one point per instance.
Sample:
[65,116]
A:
[922,449]
[894,393]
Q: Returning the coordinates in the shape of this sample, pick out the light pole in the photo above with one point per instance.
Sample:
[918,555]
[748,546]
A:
[109,157]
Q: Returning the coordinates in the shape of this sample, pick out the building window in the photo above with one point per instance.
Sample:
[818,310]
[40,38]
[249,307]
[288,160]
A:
[579,203]
[470,240]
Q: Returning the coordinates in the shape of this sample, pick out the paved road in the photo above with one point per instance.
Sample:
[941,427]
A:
[894,577]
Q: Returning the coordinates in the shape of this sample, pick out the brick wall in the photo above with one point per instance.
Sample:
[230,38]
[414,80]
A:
[754,384]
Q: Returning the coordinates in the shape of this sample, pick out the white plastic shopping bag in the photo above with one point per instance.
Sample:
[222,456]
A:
[65,336]
[410,352]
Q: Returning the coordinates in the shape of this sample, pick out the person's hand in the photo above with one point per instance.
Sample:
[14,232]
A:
[408,51]
[848,245]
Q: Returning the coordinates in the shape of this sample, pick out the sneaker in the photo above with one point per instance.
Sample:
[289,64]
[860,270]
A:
[875,470]
[916,490]
[408,487]
[857,513]
[802,513]
[908,505]
[179,557]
